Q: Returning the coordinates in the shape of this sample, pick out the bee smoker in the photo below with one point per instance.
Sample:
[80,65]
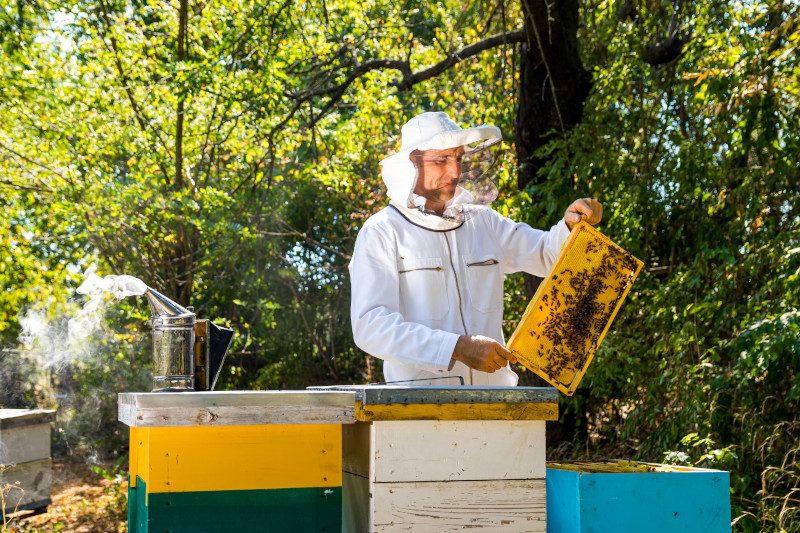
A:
[187,353]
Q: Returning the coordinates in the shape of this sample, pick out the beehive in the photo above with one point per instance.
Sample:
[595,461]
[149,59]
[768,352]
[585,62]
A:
[573,308]
[607,497]
[25,464]
[446,458]
[235,461]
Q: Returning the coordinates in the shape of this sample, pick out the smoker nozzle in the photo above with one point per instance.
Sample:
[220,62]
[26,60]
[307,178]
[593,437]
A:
[166,310]
[187,353]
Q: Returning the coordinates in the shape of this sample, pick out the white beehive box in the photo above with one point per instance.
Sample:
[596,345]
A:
[438,459]
[25,463]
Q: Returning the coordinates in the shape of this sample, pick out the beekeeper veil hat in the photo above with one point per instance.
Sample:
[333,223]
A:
[476,188]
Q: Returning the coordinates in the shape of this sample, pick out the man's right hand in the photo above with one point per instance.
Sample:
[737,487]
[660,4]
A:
[482,353]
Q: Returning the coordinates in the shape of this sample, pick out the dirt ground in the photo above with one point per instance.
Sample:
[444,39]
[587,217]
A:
[84,501]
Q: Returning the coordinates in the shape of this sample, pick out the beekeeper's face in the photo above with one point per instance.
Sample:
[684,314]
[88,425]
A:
[438,175]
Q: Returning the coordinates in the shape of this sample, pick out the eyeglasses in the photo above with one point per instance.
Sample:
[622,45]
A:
[437,161]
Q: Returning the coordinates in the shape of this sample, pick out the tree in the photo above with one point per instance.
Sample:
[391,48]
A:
[227,154]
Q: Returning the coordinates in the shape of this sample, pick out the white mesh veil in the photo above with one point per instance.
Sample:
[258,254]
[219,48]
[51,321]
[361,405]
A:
[462,161]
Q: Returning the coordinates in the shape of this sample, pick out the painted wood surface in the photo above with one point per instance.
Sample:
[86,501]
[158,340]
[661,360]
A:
[664,502]
[190,459]
[192,409]
[21,444]
[27,483]
[269,398]
[453,450]
[504,506]
[294,510]
[139,454]
[465,411]
[428,475]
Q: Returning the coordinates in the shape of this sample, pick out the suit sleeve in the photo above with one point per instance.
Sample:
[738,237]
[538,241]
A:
[378,326]
[527,249]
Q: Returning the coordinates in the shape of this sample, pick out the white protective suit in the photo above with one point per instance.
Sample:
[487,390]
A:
[420,281]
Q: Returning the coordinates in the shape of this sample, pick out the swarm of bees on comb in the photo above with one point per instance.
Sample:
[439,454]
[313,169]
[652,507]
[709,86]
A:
[573,308]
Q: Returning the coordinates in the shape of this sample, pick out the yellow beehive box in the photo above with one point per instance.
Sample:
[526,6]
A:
[573,308]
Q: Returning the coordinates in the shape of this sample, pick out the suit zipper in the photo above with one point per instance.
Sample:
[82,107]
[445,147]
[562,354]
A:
[458,290]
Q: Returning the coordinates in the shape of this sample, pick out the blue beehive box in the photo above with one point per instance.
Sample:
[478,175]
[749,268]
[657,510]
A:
[591,497]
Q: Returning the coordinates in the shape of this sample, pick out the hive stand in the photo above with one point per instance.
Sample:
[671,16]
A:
[439,459]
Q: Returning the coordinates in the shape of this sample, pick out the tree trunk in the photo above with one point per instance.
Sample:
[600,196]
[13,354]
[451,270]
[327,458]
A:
[185,249]
[553,87]
[553,83]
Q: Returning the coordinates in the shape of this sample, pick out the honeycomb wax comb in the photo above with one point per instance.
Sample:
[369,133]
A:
[573,308]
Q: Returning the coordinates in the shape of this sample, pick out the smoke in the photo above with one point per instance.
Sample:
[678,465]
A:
[75,356]
[60,333]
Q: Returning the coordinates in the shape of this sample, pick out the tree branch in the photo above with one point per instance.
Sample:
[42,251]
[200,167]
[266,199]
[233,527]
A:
[671,47]
[17,186]
[409,78]
[36,163]
[665,50]
[144,121]
[183,17]
[514,36]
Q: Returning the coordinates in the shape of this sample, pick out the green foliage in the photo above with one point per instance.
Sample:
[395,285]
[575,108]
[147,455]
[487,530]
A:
[116,476]
[217,169]
[696,164]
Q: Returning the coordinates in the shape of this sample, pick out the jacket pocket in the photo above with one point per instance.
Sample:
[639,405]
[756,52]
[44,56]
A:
[485,283]
[423,288]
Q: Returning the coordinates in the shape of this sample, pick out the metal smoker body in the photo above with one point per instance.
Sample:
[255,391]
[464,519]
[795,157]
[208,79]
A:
[187,353]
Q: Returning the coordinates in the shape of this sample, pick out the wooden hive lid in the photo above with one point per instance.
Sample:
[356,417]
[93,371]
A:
[25,417]
[234,408]
[402,402]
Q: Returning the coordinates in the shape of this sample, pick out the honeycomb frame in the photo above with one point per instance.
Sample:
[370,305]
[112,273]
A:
[573,308]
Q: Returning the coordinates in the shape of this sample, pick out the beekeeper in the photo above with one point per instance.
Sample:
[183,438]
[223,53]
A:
[427,271]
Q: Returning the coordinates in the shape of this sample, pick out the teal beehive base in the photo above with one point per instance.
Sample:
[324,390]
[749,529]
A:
[693,500]
[272,511]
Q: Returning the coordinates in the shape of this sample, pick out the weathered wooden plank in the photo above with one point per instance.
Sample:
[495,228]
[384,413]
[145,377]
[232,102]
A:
[22,444]
[194,416]
[10,418]
[356,441]
[26,483]
[462,411]
[186,459]
[504,506]
[271,398]
[400,394]
[422,450]
[356,503]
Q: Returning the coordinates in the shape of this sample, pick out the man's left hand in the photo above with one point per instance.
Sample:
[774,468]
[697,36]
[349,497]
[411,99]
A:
[584,209]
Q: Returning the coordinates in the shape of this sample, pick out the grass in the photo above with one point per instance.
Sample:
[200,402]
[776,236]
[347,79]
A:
[87,498]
